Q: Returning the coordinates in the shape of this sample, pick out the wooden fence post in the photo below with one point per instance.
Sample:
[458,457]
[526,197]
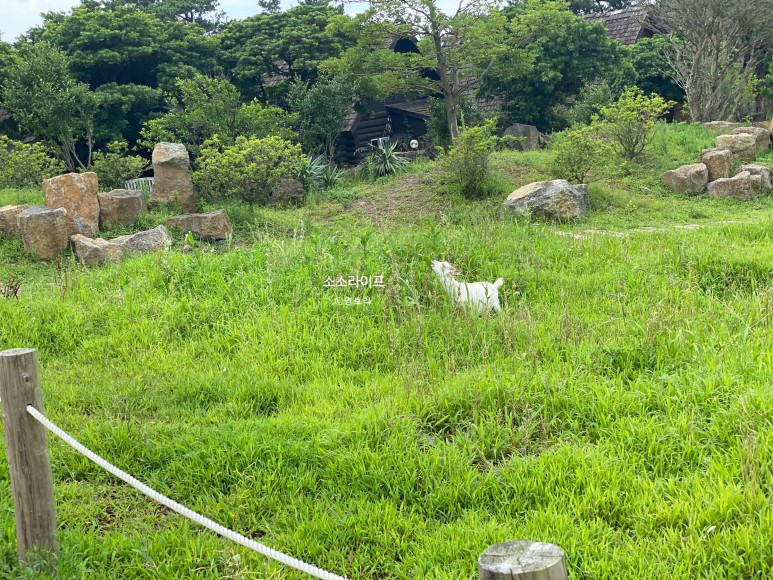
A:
[522,560]
[28,460]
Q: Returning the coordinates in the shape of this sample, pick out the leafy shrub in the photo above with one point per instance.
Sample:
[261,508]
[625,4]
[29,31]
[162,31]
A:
[311,171]
[629,122]
[578,152]
[322,110]
[386,160]
[466,168]
[247,170]
[205,107]
[26,165]
[592,98]
[116,167]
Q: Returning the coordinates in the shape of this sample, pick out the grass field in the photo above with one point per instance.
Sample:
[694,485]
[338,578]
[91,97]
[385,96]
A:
[620,406]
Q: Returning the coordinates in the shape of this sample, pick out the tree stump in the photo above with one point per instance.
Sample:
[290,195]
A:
[522,560]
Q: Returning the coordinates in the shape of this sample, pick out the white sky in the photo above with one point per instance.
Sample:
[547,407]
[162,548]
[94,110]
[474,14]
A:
[18,16]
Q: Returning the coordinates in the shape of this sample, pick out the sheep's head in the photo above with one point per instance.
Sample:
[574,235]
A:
[444,269]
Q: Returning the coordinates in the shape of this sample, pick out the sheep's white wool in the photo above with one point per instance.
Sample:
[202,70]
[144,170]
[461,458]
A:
[479,296]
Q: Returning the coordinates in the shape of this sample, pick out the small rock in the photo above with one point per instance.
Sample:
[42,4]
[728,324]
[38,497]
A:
[287,191]
[718,162]
[143,242]
[738,187]
[44,230]
[77,193]
[743,146]
[760,176]
[555,200]
[761,136]
[687,178]
[721,126]
[212,225]
[526,137]
[122,206]
[172,181]
[94,251]
[9,214]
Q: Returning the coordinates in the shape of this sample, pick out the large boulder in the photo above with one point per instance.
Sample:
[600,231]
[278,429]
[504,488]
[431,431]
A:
[9,226]
[143,242]
[722,126]
[687,178]
[77,193]
[738,187]
[287,191]
[122,206]
[743,146]
[555,200]
[94,251]
[760,177]
[524,137]
[172,176]
[718,162]
[761,136]
[44,230]
[212,225]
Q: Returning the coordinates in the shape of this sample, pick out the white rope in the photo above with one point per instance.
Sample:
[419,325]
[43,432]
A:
[181,509]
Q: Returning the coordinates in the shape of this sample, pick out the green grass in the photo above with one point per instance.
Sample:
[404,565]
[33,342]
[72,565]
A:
[620,406]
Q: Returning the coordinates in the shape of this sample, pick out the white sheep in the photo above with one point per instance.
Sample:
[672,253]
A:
[480,296]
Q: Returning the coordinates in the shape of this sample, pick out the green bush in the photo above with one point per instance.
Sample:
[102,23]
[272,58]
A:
[466,168]
[579,152]
[115,167]
[247,170]
[26,165]
[205,107]
[629,123]
[469,115]
[592,98]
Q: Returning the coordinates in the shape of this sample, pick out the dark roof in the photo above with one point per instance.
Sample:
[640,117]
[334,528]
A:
[283,75]
[418,108]
[627,25]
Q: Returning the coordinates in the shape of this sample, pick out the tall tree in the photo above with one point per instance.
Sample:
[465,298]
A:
[129,58]
[205,13]
[714,48]
[461,47]
[46,101]
[289,44]
[582,7]
[564,53]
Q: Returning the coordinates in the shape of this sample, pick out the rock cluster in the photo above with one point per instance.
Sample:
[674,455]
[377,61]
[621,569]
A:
[714,172]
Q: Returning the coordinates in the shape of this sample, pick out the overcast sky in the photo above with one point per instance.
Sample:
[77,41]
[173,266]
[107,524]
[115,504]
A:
[18,16]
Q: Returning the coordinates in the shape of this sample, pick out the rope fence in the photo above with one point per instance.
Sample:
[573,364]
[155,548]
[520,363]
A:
[26,426]
[179,508]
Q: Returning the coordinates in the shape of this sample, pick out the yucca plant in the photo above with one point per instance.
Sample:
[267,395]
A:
[385,160]
[331,176]
[311,171]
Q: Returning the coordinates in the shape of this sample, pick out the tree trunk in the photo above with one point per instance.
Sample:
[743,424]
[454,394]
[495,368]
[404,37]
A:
[451,115]
[449,95]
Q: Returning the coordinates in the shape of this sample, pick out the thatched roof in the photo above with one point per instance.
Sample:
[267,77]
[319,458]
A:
[627,25]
